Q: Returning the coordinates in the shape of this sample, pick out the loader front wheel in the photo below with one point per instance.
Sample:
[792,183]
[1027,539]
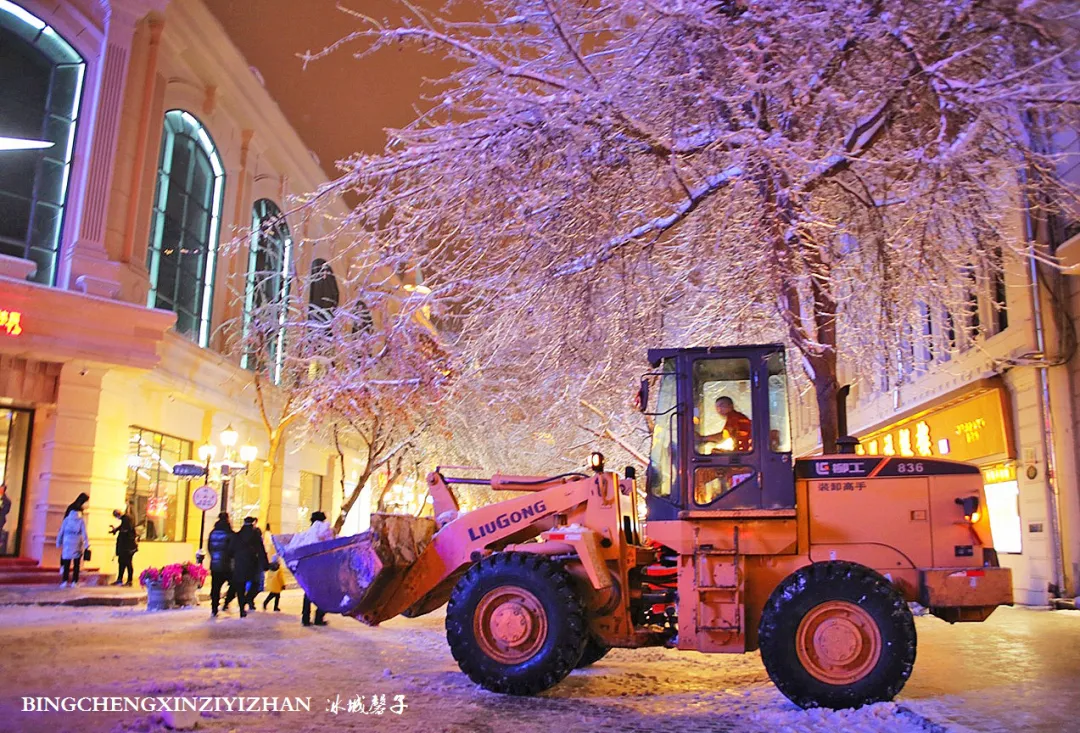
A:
[837,635]
[515,624]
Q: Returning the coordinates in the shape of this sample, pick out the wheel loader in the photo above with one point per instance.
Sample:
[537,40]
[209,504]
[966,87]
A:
[739,547]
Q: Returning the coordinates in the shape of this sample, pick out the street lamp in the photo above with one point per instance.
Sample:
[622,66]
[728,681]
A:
[228,464]
[229,438]
[226,468]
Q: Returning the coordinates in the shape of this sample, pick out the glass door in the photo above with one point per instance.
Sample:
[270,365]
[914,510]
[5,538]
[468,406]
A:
[15,427]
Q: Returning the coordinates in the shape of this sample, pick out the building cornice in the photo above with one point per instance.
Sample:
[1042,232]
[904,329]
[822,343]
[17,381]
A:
[63,325]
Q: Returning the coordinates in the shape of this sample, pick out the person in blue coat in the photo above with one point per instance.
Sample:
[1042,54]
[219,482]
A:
[219,545]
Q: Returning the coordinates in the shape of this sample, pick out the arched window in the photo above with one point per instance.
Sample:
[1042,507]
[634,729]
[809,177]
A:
[363,321]
[267,289]
[41,81]
[185,226]
[325,296]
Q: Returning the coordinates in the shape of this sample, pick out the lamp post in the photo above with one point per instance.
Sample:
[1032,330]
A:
[228,464]
[226,467]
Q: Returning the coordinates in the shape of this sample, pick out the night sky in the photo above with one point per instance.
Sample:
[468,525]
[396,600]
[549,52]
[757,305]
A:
[338,105]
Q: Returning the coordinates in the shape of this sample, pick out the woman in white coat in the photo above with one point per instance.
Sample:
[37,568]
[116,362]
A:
[72,540]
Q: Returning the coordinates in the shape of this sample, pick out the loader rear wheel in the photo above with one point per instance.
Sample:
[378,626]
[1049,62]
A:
[837,635]
[594,652]
[515,624]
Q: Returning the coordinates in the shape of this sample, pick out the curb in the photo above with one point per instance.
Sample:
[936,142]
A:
[129,599]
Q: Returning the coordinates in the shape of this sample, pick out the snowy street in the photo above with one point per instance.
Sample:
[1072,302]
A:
[1017,671]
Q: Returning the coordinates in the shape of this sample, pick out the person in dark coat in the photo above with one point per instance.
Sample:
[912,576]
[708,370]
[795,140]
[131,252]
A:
[257,584]
[126,547]
[219,545]
[249,558]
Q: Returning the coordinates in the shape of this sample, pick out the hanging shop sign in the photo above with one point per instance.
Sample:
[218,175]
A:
[973,427]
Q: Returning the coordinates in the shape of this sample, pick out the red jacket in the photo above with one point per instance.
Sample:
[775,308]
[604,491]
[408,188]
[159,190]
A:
[737,428]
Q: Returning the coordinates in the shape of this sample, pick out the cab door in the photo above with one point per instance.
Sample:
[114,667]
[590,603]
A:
[738,452]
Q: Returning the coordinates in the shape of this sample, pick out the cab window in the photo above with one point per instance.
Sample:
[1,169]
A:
[661,474]
[723,408]
[779,420]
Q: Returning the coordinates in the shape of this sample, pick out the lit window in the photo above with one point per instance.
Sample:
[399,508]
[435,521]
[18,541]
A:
[310,500]
[41,76]
[245,490]
[267,290]
[324,296]
[156,499]
[186,223]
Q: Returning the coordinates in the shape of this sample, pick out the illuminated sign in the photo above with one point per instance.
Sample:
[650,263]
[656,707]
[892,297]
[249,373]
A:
[11,322]
[999,473]
[1003,506]
[971,429]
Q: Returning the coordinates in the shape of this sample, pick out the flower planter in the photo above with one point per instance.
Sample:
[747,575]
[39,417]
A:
[158,597]
[186,593]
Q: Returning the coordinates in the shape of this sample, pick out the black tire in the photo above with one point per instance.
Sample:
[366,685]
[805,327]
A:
[552,588]
[594,652]
[805,591]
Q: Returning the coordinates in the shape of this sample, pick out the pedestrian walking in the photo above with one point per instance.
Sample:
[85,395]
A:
[322,531]
[72,541]
[219,544]
[249,558]
[275,584]
[126,547]
[257,583]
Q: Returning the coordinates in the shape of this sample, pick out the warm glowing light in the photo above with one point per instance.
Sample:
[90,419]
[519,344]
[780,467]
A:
[18,143]
[11,322]
[206,452]
[975,516]
[1003,507]
[229,437]
[727,444]
[248,453]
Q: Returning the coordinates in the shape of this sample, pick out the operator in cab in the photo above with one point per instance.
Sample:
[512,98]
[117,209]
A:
[734,436]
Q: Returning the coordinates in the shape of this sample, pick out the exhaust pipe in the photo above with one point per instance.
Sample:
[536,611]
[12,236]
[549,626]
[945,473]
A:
[845,444]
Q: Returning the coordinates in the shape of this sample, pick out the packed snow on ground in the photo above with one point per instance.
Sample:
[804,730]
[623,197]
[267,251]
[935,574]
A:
[1018,671]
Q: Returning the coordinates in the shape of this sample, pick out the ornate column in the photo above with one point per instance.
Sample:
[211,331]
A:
[65,463]
[84,264]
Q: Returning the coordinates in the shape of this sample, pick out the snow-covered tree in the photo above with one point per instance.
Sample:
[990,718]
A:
[595,178]
[350,368]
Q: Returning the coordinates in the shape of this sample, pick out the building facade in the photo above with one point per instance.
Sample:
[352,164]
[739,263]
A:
[151,146]
[1000,391]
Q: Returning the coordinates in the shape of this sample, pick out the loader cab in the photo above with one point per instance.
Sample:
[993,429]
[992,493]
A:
[722,436]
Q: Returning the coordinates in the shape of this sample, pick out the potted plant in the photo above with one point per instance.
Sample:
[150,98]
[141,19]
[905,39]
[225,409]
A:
[160,589]
[191,578]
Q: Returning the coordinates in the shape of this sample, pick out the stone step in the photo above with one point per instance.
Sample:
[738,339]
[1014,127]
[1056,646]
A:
[26,571]
[17,562]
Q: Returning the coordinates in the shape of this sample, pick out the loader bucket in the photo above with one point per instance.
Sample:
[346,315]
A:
[353,575]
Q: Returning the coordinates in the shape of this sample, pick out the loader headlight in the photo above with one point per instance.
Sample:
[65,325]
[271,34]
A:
[596,461]
[970,507]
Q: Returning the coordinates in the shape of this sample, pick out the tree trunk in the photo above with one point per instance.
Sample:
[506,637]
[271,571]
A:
[270,466]
[347,505]
[826,386]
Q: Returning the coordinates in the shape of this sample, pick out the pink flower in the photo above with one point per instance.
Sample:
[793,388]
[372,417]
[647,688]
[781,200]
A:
[196,572]
[171,575]
[150,575]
